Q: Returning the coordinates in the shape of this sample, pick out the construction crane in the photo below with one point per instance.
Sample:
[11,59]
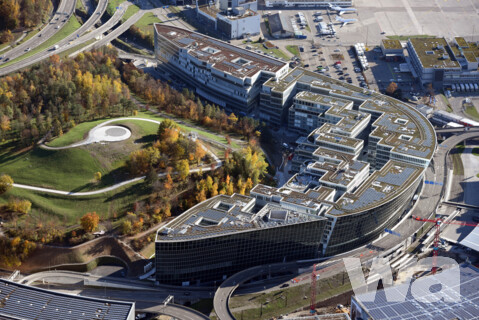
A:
[437,223]
[314,275]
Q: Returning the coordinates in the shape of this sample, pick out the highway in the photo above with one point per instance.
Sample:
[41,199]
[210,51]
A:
[457,130]
[59,19]
[64,44]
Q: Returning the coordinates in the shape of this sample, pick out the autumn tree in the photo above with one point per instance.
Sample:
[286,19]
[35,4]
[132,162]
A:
[183,169]
[168,182]
[19,205]
[6,183]
[200,151]
[89,221]
[97,176]
[391,89]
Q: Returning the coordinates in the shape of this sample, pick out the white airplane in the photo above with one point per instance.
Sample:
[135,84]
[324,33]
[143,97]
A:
[340,10]
[345,21]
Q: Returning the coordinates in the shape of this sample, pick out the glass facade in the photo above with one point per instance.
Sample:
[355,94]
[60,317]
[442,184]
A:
[357,229]
[213,258]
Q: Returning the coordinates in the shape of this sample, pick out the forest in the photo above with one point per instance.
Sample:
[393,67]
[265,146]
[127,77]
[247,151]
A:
[21,14]
[55,95]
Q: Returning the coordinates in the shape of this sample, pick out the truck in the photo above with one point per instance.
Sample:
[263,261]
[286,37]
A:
[467,87]
[462,87]
[476,87]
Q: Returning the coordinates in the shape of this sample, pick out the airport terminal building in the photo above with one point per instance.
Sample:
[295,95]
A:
[360,159]
[445,64]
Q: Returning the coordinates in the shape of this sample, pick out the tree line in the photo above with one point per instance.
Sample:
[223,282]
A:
[55,95]
[186,105]
[21,14]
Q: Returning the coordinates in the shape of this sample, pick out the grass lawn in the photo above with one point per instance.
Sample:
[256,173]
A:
[275,52]
[112,4]
[293,49]
[404,38]
[146,22]
[62,169]
[148,250]
[70,209]
[458,167]
[77,133]
[64,32]
[73,169]
[80,6]
[129,12]
[274,303]
[30,35]
[471,111]
[475,152]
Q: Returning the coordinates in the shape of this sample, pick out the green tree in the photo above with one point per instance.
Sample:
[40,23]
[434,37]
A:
[183,169]
[126,227]
[6,183]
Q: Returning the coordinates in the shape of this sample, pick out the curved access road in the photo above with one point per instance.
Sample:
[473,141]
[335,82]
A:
[59,19]
[217,163]
[147,298]
[114,34]
[90,139]
[64,44]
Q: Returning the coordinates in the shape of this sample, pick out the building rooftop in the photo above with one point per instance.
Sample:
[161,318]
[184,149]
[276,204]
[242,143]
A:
[224,214]
[211,11]
[391,44]
[279,23]
[433,53]
[468,50]
[18,301]
[222,56]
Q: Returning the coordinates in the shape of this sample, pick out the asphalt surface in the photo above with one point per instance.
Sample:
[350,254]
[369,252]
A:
[64,44]
[146,297]
[64,11]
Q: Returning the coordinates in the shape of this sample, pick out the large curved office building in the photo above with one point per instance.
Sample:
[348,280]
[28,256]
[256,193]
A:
[360,158]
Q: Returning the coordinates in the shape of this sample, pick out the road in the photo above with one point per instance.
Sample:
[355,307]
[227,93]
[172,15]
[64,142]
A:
[64,44]
[59,19]
[147,298]
[112,35]
[217,163]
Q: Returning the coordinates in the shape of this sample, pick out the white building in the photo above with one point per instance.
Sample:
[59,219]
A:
[239,21]
[226,75]
[435,61]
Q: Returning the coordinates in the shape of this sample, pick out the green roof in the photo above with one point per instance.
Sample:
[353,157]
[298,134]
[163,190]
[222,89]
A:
[432,53]
[391,44]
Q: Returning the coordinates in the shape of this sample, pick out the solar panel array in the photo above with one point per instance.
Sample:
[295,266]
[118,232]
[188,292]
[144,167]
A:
[411,308]
[369,196]
[397,179]
[24,302]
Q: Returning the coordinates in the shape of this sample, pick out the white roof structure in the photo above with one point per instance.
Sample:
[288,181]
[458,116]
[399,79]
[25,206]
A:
[472,240]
